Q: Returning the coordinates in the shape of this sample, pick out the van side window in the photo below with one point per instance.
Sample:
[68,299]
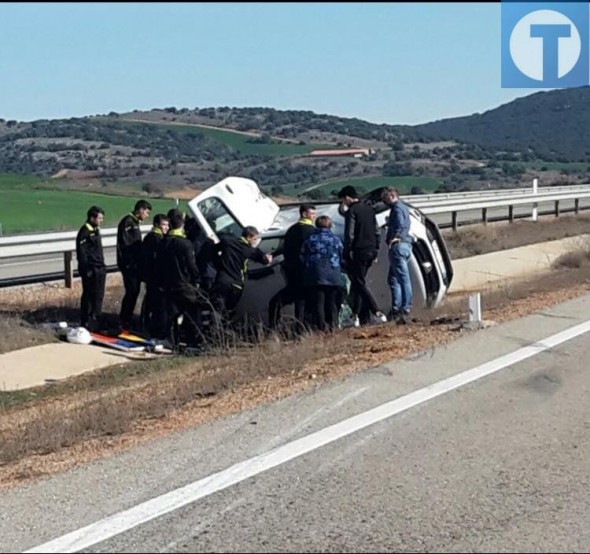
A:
[219,217]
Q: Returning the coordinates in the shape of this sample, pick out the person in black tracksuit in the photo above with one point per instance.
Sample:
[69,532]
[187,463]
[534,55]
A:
[129,258]
[91,268]
[294,291]
[179,276]
[153,310]
[361,245]
[204,252]
[233,255]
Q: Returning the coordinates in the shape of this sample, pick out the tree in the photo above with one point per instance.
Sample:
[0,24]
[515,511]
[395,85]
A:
[317,194]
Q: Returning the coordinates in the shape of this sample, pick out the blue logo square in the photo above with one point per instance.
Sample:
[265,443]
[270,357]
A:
[545,44]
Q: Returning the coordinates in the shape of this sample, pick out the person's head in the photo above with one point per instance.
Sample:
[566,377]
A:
[177,220]
[95,216]
[142,209]
[323,222]
[252,235]
[307,211]
[162,222]
[348,195]
[191,228]
[390,195]
[173,211]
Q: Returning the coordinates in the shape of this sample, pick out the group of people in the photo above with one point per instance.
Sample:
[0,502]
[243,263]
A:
[184,272]
[316,261]
[187,273]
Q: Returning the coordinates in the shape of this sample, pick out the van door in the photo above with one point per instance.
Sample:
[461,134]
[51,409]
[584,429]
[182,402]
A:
[231,205]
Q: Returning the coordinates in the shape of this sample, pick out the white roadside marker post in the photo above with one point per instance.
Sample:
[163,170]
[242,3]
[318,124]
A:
[535,205]
[475,310]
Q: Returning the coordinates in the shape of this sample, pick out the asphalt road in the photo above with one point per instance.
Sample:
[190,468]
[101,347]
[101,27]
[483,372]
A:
[428,463]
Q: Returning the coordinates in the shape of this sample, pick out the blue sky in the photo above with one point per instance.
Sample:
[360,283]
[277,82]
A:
[386,63]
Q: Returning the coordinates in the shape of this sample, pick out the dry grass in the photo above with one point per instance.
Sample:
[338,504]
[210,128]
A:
[573,260]
[481,239]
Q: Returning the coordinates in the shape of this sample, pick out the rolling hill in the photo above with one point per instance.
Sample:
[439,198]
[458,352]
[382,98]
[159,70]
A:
[554,125]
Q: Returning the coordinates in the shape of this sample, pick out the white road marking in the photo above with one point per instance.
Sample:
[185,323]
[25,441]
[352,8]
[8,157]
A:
[173,500]
[270,444]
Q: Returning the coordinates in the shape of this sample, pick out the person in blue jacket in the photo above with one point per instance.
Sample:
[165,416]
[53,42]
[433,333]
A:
[321,254]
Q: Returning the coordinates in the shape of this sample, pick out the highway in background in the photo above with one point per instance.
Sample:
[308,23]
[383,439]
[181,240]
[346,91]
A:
[50,265]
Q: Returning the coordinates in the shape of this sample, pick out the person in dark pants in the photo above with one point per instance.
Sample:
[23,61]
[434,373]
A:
[179,278]
[153,310]
[361,245]
[294,291]
[129,258]
[91,268]
[232,259]
[322,274]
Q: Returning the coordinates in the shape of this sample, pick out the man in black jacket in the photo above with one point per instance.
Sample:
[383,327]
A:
[91,268]
[179,277]
[129,258]
[294,291]
[153,310]
[361,245]
[233,255]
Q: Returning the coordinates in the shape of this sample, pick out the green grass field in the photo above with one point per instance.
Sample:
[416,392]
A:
[240,142]
[404,184]
[26,209]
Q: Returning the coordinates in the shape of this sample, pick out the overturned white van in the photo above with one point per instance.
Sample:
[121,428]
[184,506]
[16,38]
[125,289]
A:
[236,202]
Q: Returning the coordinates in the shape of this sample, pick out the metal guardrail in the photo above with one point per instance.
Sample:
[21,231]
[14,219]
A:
[494,193]
[455,203]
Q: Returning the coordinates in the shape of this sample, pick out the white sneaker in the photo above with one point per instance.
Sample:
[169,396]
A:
[356,321]
[378,317]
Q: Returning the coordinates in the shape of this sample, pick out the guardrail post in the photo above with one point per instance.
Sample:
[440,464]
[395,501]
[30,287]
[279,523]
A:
[454,220]
[484,215]
[577,206]
[557,208]
[511,214]
[68,272]
[535,205]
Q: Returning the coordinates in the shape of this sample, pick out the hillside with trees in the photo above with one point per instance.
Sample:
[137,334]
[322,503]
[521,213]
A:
[553,126]
[162,151]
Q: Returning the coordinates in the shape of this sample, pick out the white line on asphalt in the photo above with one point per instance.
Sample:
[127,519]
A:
[173,500]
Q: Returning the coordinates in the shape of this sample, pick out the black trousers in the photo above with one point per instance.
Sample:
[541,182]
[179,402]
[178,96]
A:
[132,284]
[190,302]
[294,293]
[324,302]
[154,311]
[225,298]
[92,296]
[362,302]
